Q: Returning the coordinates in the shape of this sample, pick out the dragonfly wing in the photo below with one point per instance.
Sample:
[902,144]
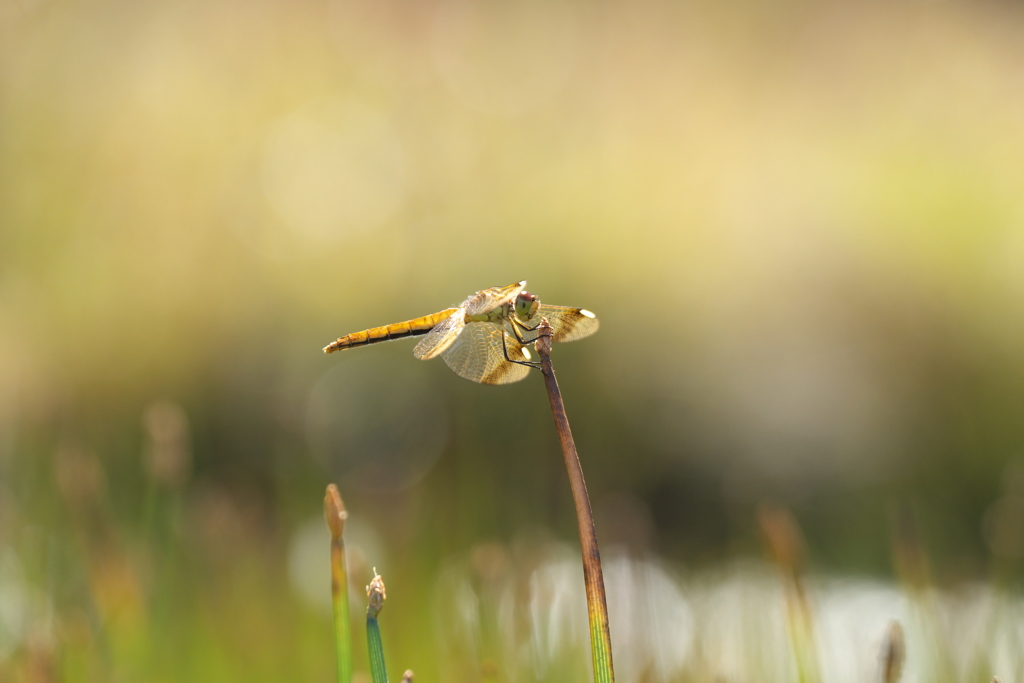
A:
[567,324]
[441,337]
[477,355]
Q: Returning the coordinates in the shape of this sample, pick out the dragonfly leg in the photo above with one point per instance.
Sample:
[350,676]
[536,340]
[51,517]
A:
[504,348]
[518,327]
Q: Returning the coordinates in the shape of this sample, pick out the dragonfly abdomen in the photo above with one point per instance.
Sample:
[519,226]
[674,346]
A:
[408,328]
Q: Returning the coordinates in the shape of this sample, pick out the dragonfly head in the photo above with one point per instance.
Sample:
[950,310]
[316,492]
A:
[526,305]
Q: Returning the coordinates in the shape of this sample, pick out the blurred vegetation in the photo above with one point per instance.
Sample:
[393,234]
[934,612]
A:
[802,227]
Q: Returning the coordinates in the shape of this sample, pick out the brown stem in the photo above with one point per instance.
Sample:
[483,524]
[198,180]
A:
[593,576]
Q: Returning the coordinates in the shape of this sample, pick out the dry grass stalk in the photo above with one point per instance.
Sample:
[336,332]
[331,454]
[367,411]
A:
[786,547]
[894,653]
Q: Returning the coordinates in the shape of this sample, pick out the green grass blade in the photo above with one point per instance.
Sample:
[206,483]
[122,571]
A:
[375,593]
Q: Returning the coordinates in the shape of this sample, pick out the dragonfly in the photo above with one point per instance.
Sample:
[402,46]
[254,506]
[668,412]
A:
[486,338]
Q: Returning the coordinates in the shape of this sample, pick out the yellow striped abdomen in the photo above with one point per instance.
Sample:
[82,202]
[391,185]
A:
[408,328]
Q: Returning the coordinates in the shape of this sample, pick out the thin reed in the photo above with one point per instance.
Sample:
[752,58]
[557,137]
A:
[335,514]
[375,603]
[593,575]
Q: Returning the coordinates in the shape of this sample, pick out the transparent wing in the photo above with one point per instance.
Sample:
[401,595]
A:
[441,337]
[488,299]
[567,324]
[477,355]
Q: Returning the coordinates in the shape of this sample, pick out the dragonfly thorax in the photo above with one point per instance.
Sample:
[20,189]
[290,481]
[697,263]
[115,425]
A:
[497,315]
[523,307]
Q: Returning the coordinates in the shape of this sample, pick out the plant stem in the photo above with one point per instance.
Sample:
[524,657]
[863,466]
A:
[593,576]
[894,653]
[335,514]
[786,546]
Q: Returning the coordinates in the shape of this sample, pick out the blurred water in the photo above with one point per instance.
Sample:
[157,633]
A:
[730,623]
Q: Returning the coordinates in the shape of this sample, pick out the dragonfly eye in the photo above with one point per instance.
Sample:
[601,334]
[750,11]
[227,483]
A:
[526,305]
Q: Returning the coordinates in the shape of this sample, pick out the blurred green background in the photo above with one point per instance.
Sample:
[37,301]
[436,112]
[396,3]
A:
[801,225]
